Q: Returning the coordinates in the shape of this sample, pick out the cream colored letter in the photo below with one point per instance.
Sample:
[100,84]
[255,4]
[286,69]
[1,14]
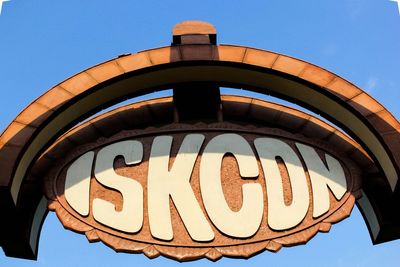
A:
[130,218]
[77,183]
[243,223]
[174,183]
[280,215]
[322,177]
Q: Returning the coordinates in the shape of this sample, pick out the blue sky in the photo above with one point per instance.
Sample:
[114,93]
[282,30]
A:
[43,42]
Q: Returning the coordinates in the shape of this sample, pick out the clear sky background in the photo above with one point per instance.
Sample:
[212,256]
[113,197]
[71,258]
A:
[42,42]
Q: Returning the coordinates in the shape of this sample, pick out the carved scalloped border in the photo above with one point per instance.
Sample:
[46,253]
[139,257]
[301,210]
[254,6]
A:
[215,253]
[152,251]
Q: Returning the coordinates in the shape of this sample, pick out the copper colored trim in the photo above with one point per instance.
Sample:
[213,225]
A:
[260,111]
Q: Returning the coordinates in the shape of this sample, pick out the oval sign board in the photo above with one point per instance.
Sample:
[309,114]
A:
[187,192]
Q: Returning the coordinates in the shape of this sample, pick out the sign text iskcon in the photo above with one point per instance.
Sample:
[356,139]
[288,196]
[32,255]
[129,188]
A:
[199,189]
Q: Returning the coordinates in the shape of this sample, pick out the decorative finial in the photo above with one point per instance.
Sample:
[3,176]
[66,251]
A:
[194,32]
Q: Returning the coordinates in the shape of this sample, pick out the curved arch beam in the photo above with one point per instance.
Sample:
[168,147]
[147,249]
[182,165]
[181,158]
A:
[78,97]
[262,71]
